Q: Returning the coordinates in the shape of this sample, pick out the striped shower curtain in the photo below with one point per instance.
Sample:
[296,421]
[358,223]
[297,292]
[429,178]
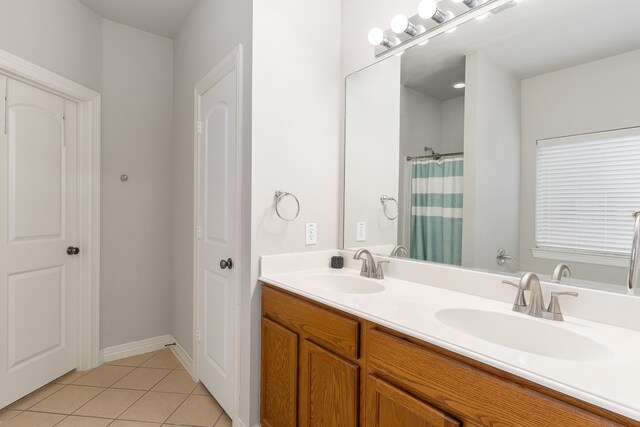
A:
[436,210]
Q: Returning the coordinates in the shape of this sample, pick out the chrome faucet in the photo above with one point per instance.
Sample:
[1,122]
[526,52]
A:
[535,308]
[562,270]
[399,251]
[632,281]
[369,268]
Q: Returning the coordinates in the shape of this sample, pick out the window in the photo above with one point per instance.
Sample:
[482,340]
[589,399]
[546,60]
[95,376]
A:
[587,186]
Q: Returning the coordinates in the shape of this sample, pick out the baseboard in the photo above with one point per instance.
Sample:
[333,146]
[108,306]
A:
[183,357]
[134,348]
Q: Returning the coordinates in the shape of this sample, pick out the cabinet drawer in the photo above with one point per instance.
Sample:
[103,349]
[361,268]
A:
[467,393]
[389,406]
[334,331]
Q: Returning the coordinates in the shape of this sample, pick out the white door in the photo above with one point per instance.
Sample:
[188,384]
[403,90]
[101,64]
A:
[217,213]
[37,225]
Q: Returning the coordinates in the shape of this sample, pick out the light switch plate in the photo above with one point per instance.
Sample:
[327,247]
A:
[311,233]
[361,231]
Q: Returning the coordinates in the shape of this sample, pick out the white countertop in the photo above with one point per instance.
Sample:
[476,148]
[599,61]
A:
[410,308]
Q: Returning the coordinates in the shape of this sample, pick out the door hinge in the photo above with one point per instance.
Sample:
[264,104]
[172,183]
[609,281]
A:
[199,127]
[198,232]
[6,107]
[199,335]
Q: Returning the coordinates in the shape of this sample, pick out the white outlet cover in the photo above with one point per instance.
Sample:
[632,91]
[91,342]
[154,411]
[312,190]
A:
[361,231]
[311,233]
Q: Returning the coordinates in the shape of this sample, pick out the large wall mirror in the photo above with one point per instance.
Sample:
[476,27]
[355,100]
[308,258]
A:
[511,144]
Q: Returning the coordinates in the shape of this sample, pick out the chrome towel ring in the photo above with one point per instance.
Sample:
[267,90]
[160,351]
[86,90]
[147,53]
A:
[385,200]
[280,195]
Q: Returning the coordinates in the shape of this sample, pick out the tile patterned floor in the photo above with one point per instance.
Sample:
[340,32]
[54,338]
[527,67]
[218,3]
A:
[149,390]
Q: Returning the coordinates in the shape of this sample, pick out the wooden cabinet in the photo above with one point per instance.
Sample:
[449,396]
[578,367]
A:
[325,368]
[389,406]
[279,376]
[328,388]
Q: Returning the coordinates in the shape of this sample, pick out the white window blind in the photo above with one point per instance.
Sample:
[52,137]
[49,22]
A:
[587,186]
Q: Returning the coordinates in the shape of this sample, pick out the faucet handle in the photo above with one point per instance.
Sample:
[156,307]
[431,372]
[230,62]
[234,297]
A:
[520,303]
[554,305]
[379,272]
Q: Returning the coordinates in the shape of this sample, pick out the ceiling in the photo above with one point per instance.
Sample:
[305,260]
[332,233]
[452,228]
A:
[534,38]
[161,17]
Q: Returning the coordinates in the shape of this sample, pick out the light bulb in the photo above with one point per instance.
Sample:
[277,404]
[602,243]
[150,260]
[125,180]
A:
[427,8]
[459,85]
[376,36]
[399,24]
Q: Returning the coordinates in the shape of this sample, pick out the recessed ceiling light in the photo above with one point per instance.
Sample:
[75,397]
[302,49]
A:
[459,85]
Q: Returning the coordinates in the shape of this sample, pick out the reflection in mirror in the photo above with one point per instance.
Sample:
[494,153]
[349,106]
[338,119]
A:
[511,145]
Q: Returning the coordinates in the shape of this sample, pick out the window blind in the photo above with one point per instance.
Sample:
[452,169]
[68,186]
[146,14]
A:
[587,186]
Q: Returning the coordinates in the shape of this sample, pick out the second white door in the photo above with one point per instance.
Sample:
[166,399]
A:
[217,240]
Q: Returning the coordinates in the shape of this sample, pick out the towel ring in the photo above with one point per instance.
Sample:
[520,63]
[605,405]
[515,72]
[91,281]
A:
[280,195]
[386,199]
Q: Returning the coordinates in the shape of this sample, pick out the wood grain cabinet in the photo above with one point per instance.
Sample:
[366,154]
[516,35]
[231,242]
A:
[325,368]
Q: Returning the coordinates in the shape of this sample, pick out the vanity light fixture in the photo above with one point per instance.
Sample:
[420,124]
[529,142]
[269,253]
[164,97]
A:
[377,37]
[459,85]
[469,3]
[401,24]
[428,9]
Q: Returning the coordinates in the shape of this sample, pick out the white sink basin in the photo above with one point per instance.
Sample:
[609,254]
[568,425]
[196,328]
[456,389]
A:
[344,284]
[523,333]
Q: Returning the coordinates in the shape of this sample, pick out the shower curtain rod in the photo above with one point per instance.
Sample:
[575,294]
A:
[435,156]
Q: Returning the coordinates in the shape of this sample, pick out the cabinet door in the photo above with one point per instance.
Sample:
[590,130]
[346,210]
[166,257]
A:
[279,376]
[388,406]
[329,391]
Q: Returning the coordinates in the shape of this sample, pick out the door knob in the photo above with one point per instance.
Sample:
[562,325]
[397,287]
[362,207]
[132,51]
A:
[72,250]
[226,263]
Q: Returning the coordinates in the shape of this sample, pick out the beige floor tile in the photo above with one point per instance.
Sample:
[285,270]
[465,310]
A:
[201,390]
[34,419]
[74,421]
[104,376]
[197,411]
[110,404]
[224,421]
[7,413]
[133,361]
[176,382]
[164,359]
[153,407]
[124,423]
[67,400]
[70,377]
[142,378]
[37,396]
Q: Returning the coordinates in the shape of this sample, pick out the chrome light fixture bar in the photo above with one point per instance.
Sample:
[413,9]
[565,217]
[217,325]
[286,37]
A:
[419,29]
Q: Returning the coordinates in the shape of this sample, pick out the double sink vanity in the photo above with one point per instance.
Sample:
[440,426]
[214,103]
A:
[431,344]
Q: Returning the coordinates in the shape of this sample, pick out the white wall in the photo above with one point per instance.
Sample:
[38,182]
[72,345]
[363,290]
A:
[63,36]
[421,121]
[491,167]
[592,97]
[137,108]
[452,125]
[371,157]
[296,107]
[210,32]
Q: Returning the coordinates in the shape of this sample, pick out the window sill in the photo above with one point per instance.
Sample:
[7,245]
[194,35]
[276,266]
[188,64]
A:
[560,255]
